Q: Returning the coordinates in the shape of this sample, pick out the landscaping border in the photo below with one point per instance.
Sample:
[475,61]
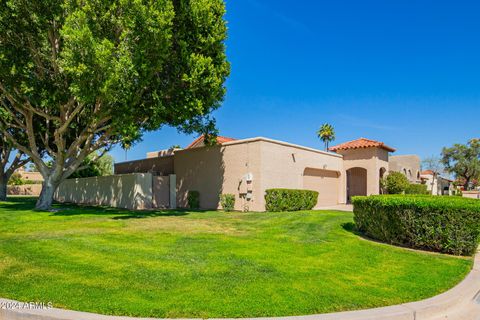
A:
[460,302]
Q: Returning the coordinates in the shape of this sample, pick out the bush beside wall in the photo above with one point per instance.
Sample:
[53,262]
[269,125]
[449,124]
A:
[443,224]
[414,188]
[290,199]
[227,201]
[395,183]
[193,199]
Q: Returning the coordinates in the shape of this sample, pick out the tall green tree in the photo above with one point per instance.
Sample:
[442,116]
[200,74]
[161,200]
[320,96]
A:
[80,76]
[463,160]
[326,133]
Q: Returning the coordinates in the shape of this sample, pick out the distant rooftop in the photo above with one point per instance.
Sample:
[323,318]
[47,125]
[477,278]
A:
[427,172]
[199,142]
[360,144]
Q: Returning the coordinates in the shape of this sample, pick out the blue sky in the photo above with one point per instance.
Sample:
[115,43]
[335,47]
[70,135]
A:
[403,72]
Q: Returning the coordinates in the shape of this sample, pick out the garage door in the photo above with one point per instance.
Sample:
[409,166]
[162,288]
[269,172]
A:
[326,182]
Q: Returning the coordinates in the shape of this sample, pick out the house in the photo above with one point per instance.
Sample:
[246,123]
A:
[437,184]
[33,187]
[29,175]
[248,167]
[409,165]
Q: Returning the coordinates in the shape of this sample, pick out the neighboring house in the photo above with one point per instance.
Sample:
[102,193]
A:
[34,187]
[409,165]
[29,175]
[248,167]
[438,186]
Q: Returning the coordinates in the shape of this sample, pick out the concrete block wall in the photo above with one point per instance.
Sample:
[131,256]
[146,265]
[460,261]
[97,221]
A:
[129,191]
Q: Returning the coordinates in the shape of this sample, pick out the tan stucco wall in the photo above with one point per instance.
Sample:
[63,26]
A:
[25,190]
[219,170]
[371,159]
[471,194]
[406,164]
[130,191]
[160,166]
[271,164]
[161,192]
[325,182]
[283,166]
[32,176]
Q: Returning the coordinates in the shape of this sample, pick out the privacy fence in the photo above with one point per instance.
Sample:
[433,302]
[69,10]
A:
[137,191]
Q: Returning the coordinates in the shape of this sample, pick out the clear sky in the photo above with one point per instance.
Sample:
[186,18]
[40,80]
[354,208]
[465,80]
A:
[405,72]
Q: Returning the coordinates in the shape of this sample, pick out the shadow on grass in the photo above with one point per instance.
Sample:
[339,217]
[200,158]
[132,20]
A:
[68,210]
[19,203]
[351,227]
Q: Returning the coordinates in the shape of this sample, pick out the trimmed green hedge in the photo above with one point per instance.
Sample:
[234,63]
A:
[290,199]
[193,199]
[414,188]
[443,224]
[395,183]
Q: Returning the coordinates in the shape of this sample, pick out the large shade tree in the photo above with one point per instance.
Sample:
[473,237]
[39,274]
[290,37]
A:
[79,76]
[463,160]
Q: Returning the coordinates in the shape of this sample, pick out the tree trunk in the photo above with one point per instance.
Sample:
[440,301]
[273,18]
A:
[49,186]
[434,192]
[3,187]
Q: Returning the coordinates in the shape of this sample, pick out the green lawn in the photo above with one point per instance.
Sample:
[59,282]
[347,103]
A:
[208,264]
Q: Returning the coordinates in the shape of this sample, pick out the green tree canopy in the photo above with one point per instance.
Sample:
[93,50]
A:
[326,133]
[463,160]
[79,76]
[91,167]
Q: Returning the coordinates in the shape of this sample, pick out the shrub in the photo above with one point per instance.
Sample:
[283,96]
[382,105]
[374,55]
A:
[16,180]
[414,188]
[395,183]
[290,199]
[227,202]
[193,199]
[444,224]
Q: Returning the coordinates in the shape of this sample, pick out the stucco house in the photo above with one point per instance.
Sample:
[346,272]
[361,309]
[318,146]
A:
[29,175]
[437,184]
[248,167]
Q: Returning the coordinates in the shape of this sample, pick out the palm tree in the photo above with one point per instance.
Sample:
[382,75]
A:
[326,133]
[126,146]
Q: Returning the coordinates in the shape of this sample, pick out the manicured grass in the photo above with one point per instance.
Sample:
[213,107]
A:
[208,264]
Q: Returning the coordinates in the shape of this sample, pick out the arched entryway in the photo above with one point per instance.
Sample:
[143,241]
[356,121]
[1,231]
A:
[356,182]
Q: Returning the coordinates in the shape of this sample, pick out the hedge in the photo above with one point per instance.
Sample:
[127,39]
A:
[395,183]
[443,224]
[193,199]
[290,199]
[227,202]
[414,188]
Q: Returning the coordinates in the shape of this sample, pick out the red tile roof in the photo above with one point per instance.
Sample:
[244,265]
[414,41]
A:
[361,143]
[199,141]
[427,172]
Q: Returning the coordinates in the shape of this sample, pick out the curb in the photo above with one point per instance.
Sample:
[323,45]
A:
[462,302]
